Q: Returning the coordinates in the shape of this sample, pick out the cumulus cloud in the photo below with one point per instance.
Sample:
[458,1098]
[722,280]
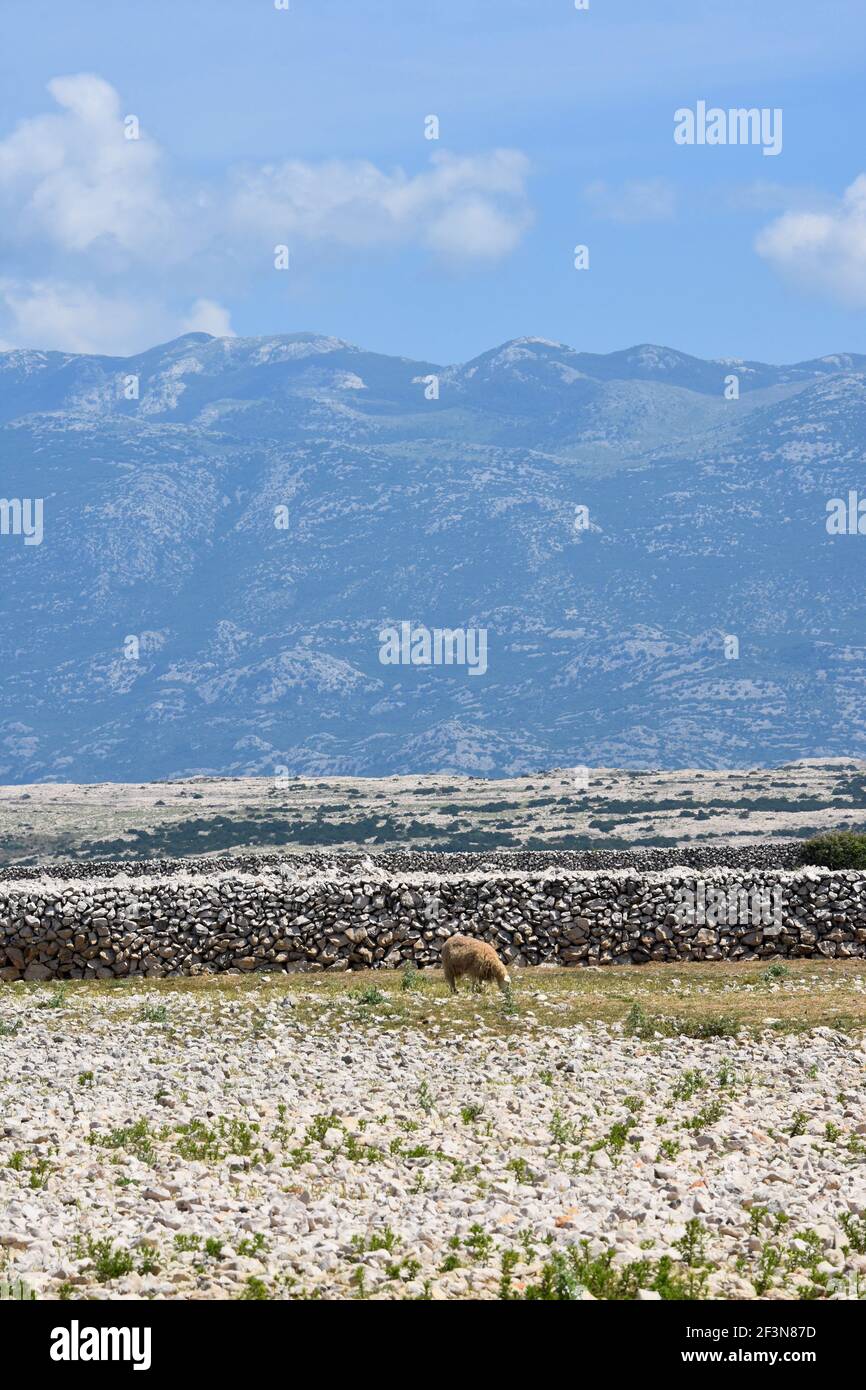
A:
[462,208]
[73,185]
[823,249]
[638,200]
[82,318]
[206,316]
[74,180]
[133,238]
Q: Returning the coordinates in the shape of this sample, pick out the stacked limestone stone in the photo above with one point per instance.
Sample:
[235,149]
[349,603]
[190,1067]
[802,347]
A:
[327,921]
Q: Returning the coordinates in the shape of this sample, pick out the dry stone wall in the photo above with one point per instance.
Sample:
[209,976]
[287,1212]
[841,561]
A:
[766,854]
[362,918]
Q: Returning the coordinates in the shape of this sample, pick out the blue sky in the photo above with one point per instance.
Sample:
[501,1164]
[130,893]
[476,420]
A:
[262,127]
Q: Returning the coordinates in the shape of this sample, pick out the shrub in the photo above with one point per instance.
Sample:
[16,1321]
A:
[840,849]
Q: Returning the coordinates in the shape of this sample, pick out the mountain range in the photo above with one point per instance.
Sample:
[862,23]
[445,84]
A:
[231,523]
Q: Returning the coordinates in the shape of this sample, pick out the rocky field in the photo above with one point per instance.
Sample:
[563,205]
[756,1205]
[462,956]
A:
[690,1131]
[567,810]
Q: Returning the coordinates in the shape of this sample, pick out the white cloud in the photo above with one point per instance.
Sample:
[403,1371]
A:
[82,318]
[638,200]
[822,249]
[135,237]
[462,208]
[73,180]
[764,195]
[206,316]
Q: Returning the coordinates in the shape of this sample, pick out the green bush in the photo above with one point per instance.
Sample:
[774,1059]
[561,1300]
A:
[841,849]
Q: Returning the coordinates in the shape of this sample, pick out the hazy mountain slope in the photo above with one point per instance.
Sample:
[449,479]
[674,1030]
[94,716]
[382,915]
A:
[259,646]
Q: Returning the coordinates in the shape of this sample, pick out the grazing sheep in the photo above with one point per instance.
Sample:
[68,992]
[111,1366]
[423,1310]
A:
[462,955]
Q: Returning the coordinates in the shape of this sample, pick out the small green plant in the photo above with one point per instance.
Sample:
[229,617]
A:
[507,1001]
[616,1138]
[692,1244]
[479,1243]
[472,1112]
[706,1116]
[56,999]
[85,1078]
[154,1013]
[669,1148]
[371,995]
[360,1153]
[520,1168]
[637,1024]
[39,1173]
[148,1264]
[855,1229]
[425,1098]
[385,1239]
[418,1151]
[722,1026]
[255,1289]
[508,1260]
[108,1263]
[198,1142]
[251,1247]
[562,1131]
[318,1128]
[403,1269]
[798,1125]
[567,1273]
[776,971]
[769,1261]
[137,1138]
[689,1083]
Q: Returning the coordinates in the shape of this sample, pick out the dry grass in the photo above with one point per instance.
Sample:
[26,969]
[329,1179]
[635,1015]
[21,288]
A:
[689,997]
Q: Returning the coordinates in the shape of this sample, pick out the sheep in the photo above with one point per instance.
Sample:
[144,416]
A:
[463,955]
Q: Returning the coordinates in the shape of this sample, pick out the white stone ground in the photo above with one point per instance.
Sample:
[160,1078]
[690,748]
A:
[336,1159]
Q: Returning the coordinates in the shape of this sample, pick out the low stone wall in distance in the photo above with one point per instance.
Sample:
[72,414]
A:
[309,919]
